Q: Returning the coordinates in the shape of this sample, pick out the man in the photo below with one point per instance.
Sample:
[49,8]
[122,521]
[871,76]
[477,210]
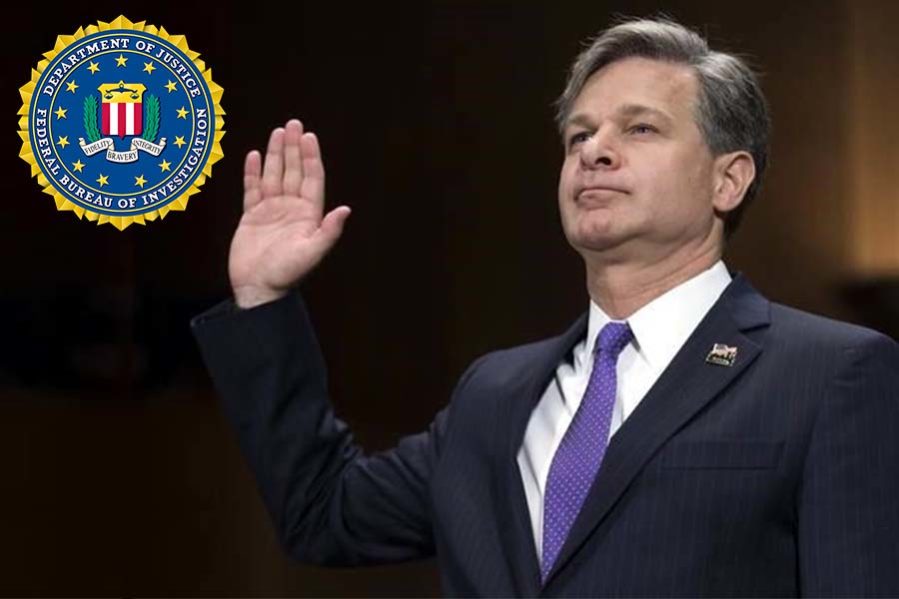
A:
[684,437]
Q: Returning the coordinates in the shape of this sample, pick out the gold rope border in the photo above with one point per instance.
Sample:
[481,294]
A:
[27,153]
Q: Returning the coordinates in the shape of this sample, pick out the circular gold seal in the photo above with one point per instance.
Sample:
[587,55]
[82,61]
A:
[121,123]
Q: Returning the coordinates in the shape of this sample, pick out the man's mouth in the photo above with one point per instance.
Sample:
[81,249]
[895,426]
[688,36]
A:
[599,193]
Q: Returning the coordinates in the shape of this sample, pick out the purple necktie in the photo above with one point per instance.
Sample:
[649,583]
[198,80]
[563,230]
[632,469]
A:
[582,448]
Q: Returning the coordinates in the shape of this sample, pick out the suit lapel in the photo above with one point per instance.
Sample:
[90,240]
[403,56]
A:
[687,385]
[511,505]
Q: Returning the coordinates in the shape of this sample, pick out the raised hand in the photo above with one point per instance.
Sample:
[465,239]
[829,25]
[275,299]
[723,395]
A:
[282,235]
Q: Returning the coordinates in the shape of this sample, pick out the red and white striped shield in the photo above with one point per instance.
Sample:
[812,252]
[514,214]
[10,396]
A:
[123,108]
[122,118]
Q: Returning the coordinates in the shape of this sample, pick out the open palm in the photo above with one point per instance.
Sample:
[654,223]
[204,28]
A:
[282,235]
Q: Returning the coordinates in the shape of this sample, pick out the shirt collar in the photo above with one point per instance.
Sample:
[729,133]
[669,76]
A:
[662,326]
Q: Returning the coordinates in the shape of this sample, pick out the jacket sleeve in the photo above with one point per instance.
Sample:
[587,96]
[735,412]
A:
[848,511]
[331,504]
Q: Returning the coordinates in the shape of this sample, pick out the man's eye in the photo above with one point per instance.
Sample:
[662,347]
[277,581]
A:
[577,138]
[643,129]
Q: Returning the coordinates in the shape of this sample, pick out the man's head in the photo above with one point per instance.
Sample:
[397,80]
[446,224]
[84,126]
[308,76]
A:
[665,140]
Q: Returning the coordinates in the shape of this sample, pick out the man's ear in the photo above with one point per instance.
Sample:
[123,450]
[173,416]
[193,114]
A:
[733,172]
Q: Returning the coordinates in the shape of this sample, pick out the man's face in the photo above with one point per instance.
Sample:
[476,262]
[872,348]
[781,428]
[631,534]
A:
[637,176]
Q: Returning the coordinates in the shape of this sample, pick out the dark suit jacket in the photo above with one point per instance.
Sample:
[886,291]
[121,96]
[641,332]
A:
[776,476]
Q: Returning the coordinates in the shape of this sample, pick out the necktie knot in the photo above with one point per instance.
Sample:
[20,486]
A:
[613,338]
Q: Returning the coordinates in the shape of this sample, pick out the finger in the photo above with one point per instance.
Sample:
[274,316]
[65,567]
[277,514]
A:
[331,228]
[273,169]
[293,159]
[252,168]
[313,185]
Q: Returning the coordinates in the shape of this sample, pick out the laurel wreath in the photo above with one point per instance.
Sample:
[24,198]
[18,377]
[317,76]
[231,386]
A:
[152,128]
[90,119]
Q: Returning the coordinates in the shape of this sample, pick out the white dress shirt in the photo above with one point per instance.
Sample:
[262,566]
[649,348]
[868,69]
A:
[660,329]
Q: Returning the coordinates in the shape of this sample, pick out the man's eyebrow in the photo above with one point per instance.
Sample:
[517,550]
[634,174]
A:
[627,110]
[639,109]
[579,119]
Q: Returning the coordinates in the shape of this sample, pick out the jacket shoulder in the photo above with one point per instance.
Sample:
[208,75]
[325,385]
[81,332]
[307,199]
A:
[814,329]
[507,367]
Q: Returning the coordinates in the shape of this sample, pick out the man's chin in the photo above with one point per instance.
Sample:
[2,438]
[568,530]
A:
[595,243]
[595,237]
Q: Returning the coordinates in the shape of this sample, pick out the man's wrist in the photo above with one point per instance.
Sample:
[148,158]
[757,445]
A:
[251,297]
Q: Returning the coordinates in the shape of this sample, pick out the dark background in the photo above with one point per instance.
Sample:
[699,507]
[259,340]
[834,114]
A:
[119,475]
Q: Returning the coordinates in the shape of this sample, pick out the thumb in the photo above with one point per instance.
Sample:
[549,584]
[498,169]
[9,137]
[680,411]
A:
[332,227]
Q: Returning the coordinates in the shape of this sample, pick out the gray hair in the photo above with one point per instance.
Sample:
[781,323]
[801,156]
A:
[731,113]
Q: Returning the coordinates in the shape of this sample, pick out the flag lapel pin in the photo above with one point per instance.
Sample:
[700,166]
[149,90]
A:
[722,355]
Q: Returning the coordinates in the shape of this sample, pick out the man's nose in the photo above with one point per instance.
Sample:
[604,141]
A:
[599,152]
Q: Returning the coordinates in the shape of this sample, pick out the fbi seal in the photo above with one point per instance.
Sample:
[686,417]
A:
[121,123]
